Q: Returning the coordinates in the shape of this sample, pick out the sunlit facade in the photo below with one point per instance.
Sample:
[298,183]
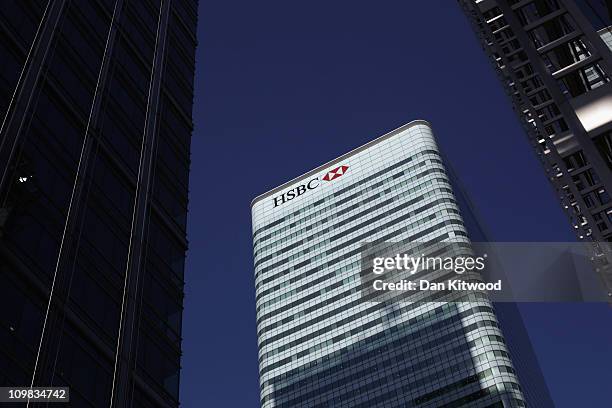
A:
[320,342]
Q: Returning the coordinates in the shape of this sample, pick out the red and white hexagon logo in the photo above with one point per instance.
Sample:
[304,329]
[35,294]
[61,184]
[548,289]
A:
[335,173]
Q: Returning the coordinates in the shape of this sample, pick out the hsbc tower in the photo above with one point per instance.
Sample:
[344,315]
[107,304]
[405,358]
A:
[320,343]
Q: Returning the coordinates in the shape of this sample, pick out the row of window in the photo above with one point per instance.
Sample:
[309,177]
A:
[379,194]
[371,296]
[457,385]
[365,297]
[390,359]
[367,236]
[401,389]
[336,204]
[340,192]
[442,214]
[424,319]
[321,305]
[336,325]
[432,329]
[407,227]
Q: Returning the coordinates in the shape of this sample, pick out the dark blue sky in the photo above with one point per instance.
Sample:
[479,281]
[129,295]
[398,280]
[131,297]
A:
[282,87]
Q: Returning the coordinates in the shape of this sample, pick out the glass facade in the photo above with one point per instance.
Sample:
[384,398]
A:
[554,58]
[320,342]
[95,103]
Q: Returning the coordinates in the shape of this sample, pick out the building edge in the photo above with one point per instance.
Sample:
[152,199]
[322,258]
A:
[371,143]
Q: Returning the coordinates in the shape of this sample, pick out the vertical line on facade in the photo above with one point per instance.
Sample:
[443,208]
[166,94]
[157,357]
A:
[81,167]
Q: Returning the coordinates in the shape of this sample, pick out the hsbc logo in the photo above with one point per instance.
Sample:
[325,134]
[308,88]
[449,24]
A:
[335,173]
[311,185]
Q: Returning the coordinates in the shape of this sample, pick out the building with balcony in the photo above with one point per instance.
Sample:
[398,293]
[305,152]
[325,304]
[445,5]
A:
[554,59]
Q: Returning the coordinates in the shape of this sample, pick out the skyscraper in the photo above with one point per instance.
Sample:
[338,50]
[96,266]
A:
[321,343]
[554,59]
[95,109]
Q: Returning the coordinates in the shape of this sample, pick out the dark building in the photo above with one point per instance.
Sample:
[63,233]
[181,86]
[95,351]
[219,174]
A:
[554,59]
[95,110]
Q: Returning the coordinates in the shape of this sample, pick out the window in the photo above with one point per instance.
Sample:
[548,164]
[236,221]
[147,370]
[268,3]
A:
[604,145]
[603,197]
